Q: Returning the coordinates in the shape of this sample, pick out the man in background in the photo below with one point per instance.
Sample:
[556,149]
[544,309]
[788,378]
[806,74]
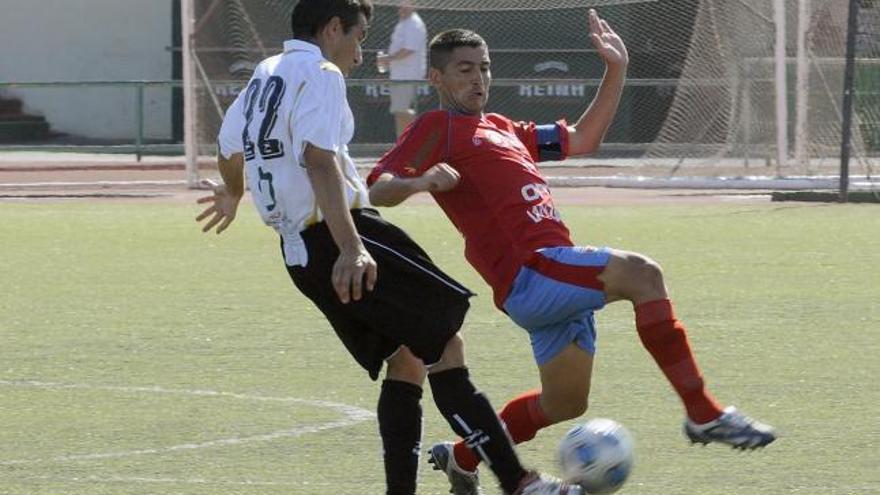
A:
[406,59]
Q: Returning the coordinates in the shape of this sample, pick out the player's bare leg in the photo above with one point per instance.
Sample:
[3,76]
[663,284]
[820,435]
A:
[565,384]
[638,279]
[404,366]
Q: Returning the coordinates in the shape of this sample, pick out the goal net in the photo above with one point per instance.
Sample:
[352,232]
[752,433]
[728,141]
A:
[711,90]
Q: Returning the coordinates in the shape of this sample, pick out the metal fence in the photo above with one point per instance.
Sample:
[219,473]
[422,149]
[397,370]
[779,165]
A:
[17,96]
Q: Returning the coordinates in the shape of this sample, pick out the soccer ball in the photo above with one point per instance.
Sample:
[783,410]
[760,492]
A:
[597,455]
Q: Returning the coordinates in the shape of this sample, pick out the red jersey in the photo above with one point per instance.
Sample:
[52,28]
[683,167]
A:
[502,204]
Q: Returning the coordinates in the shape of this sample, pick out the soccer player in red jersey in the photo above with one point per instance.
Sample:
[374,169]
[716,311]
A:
[481,170]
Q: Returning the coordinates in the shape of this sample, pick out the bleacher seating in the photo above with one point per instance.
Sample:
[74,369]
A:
[17,126]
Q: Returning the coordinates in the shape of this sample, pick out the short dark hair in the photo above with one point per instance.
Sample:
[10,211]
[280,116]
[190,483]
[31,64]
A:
[443,44]
[310,16]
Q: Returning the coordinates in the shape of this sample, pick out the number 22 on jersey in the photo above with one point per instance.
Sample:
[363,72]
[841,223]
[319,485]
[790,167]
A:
[269,100]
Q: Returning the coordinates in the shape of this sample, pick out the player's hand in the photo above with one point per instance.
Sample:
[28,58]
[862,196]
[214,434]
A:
[222,207]
[440,178]
[354,271]
[607,42]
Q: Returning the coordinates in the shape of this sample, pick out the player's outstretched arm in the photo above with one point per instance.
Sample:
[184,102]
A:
[223,201]
[355,269]
[389,190]
[589,131]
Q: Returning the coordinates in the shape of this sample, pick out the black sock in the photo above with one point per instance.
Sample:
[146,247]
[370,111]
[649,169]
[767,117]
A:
[400,426]
[472,417]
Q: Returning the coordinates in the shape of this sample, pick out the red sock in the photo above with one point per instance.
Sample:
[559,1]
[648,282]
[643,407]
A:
[522,416]
[666,339]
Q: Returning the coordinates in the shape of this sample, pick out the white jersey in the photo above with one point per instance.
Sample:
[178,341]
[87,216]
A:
[409,33]
[294,98]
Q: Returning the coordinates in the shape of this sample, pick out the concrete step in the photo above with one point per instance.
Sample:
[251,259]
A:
[21,117]
[27,130]
[10,106]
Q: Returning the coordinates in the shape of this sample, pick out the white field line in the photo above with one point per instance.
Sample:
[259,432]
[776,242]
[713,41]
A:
[170,481]
[100,183]
[353,415]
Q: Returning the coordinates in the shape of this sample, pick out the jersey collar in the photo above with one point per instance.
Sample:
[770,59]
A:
[300,45]
[458,113]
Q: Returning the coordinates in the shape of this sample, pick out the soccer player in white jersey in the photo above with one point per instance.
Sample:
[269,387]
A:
[288,133]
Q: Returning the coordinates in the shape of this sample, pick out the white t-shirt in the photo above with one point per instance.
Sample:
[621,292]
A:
[409,33]
[294,98]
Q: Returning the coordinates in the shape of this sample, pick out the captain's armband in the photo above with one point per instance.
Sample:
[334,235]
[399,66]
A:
[550,142]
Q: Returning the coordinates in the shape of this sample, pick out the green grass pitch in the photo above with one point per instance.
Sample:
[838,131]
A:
[139,356]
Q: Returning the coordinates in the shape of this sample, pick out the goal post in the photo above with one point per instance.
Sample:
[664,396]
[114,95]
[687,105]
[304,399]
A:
[715,88]
[781,84]
[190,116]
[803,83]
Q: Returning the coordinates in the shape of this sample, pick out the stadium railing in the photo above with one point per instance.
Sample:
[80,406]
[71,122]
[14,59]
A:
[138,146]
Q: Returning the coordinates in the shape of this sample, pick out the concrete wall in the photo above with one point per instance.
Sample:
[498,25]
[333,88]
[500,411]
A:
[89,40]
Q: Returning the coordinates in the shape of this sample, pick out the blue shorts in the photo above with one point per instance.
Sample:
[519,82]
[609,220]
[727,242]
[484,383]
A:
[554,296]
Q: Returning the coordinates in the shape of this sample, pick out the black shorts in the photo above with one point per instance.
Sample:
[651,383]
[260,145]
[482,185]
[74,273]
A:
[413,303]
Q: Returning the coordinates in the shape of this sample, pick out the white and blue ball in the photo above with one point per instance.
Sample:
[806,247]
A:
[597,455]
